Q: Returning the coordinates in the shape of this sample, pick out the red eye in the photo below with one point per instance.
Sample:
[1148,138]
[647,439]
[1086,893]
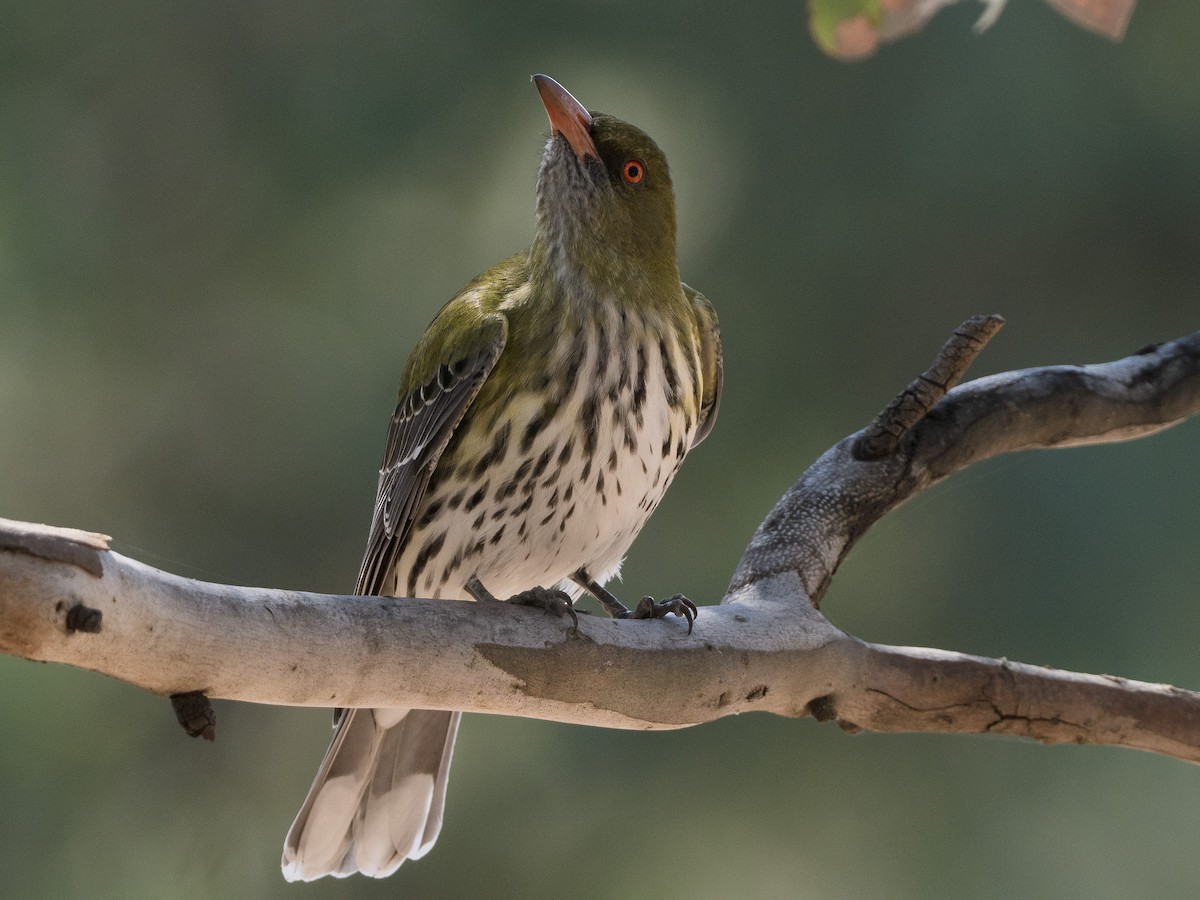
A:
[633,171]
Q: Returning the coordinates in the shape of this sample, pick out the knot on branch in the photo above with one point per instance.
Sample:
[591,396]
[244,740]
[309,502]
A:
[83,618]
[196,714]
[824,709]
[911,405]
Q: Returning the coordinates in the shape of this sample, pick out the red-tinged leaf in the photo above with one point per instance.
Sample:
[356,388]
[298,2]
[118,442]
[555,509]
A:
[845,29]
[854,29]
[1106,17]
[854,38]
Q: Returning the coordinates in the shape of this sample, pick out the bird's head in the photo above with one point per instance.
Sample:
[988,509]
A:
[605,206]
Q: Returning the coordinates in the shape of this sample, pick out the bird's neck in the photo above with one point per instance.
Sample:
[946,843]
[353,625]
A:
[582,272]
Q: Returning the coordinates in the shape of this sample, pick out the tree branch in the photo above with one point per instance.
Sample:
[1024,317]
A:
[832,505]
[66,597]
[911,405]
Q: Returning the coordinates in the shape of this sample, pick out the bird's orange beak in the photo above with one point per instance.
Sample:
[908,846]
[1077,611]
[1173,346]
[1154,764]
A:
[567,116]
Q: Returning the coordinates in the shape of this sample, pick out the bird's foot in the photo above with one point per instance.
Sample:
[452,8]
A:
[550,600]
[678,605]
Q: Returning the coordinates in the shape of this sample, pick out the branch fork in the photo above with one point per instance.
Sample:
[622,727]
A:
[66,597]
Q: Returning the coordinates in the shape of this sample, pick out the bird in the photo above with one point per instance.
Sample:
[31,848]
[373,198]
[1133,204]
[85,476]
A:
[540,419]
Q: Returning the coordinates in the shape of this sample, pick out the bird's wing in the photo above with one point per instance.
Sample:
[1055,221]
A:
[446,372]
[712,368]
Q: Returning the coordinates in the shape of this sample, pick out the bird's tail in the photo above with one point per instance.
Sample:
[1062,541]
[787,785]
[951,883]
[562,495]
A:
[378,797]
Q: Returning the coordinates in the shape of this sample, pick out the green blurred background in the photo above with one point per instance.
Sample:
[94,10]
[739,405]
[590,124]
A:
[222,228]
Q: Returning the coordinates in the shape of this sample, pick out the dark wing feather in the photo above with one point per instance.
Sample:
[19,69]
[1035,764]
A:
[421,427]
[712,366]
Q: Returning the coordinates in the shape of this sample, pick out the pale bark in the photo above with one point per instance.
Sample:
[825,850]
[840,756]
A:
[65,597]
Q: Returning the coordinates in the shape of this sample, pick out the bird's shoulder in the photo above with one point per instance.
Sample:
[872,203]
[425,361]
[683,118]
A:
[471,323]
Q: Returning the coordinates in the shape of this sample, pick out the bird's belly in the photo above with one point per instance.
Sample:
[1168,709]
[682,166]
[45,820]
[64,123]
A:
[515,532]
[568,493]
[586,516]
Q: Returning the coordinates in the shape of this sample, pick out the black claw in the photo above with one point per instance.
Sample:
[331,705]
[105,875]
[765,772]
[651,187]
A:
[550,601]
[678,605]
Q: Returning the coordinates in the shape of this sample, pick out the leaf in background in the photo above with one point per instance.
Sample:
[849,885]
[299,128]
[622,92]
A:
[845,29]
[854,29]
[904,17]
[1106,17]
